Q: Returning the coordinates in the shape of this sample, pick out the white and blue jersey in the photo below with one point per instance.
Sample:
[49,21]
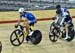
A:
[30,17]
[64,9]
[65,17]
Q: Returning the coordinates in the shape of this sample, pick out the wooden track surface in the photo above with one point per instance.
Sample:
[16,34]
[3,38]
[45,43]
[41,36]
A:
[45,46]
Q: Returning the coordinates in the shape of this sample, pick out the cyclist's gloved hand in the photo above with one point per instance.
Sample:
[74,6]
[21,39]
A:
[53,18]
[16,26]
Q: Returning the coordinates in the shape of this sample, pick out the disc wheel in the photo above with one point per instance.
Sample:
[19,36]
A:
[71,35]
[36,37]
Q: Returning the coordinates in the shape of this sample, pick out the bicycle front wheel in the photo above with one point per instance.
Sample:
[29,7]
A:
[17,37]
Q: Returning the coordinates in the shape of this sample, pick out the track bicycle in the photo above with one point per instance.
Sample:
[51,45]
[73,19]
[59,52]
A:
[17,37]
[55,32]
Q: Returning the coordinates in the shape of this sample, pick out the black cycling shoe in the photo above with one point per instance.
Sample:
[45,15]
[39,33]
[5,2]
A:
[27,38]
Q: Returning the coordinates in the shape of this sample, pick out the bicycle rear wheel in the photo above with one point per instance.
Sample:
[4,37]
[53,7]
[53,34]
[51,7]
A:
[17,37]
[36,37]
[71,35]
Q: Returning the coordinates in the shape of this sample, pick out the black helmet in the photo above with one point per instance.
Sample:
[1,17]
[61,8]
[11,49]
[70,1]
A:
[58,6]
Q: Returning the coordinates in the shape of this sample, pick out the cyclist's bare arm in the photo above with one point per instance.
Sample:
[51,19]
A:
[56,18]
[19,20]
[25,21]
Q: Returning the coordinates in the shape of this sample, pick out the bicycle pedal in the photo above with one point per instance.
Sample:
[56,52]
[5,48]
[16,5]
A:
[27,38]
[60,37]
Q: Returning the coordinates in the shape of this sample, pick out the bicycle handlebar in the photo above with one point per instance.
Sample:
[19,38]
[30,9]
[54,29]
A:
[21,27]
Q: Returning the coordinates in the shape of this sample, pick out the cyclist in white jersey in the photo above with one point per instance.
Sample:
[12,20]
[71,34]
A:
[63,18]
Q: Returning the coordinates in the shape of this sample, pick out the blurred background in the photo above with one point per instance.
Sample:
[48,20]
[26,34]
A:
[34,4]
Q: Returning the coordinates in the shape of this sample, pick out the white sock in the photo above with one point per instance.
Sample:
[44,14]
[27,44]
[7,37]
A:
[66,36]
[31,33]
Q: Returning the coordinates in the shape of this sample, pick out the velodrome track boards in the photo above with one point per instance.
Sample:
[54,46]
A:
[46,46]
